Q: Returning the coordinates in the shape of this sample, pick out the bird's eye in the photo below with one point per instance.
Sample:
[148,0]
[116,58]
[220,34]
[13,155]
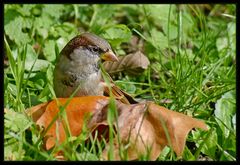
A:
[94,49]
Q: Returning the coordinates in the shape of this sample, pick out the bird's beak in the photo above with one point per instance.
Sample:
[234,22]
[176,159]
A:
[109,56]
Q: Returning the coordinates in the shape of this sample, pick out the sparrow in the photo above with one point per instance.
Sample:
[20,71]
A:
[78,67]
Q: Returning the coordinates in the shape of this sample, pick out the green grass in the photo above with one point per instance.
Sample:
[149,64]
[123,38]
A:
[192,50]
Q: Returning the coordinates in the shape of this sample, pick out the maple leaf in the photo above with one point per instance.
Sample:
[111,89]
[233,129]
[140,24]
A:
[140,126]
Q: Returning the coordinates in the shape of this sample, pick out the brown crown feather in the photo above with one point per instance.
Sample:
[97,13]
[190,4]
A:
[83,40]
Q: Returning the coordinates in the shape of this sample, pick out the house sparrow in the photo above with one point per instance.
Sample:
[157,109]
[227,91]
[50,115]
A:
[78,65]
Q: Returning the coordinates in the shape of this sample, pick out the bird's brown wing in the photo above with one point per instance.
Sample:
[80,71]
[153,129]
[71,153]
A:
[119,94]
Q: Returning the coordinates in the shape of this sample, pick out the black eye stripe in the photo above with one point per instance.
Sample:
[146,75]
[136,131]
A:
[94,49]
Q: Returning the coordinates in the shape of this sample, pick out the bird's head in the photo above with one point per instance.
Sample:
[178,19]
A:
[88,47]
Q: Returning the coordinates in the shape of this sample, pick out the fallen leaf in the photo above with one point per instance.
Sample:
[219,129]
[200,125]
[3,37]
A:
[76,110]
[37,111]
[178,125]
[134,63]
[140,126]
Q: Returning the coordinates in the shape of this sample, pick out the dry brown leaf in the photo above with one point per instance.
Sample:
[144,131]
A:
[133,63]
[76,110]
[140,126]
[177,124]
[37,111]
